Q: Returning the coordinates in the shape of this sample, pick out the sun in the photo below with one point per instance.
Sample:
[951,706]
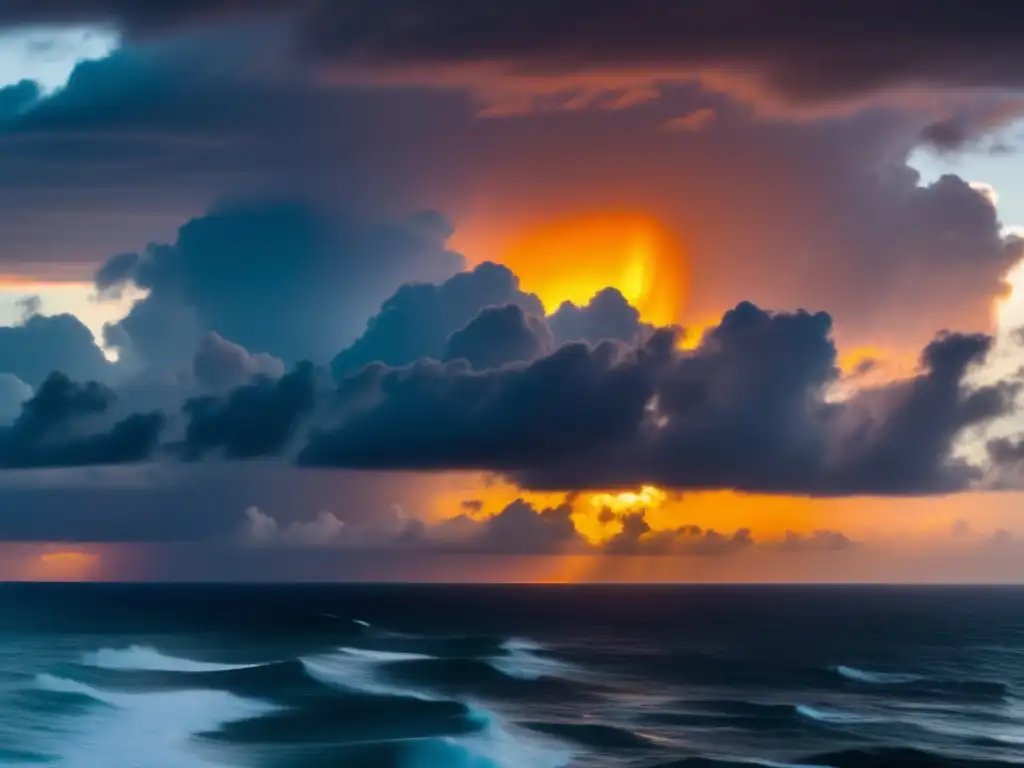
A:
[571,259]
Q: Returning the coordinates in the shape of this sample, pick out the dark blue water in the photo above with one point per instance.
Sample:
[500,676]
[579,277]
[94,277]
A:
[162,676]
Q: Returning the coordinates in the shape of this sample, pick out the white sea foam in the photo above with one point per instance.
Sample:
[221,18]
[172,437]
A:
[146,658]
[357,670]
[499,744]
[143,730]
[831,715]
[521,660]
[381,656]
[875,678]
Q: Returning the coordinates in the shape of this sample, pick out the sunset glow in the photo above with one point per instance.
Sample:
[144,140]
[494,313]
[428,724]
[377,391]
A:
[572,259]
[65,564]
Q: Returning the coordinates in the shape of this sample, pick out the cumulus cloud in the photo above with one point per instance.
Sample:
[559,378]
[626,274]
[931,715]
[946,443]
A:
[42,344]
[499,335]
[816,541]
[751,408]
[220,365]
[849,225]
[748,409]
[323,530]
[269,277]
[417,321]
[13,393]
[638,538]
[256,419]
[606,316]
[68,424]
[521,528]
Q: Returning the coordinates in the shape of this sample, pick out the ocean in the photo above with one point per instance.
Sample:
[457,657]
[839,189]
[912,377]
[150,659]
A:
[545,676]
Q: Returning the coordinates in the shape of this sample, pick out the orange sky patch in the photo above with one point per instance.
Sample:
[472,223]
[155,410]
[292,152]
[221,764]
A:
[64,565]
[572,259]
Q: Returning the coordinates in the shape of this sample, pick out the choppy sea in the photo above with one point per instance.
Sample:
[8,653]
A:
[426,676]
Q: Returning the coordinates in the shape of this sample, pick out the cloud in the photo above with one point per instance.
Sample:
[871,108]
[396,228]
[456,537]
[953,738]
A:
[698,120]
[269,277]
[257,419]
[638,538]
[795,53]
[63,425]
[499,335]
[749,409]
[323,530]
[161,130]
[971,124]
[816,541]
[417,321]
[13,393]
[606,316]
[17,99]
[41,344]
[444,416]
[220,365]
[520,528]
[752,408]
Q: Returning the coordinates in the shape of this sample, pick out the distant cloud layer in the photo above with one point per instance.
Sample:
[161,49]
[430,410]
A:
[796,54]
[752,408]
[520,528]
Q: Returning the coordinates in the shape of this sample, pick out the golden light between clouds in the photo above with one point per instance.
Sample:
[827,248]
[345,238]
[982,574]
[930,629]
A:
[574,258]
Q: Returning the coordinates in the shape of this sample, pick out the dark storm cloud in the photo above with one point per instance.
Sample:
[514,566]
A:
[482,316]
[63,425]
[520,528]
[13,392]
[748,410]
[221,365]
[283,279]
[257,419]
[444,416]
[606,316]
[499,335]
[16,99]
[140,141]
[638,538]
[42,344]
[417,321]
[799,51]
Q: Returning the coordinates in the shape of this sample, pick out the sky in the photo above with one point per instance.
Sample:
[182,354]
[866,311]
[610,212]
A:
[673,290]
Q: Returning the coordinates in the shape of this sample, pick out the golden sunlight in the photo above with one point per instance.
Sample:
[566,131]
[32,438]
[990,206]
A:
[64,565]
[572,259]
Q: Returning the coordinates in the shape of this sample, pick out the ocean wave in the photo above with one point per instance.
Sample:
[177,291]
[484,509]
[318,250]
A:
[382,657]
[156,729]
[349,720]
[498,744]
[925,687]
[905,757]
[349,670]
[483,678]
[147,658]
[523,659]
[875,678]
[595,735]
[831,716]
[723,713]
